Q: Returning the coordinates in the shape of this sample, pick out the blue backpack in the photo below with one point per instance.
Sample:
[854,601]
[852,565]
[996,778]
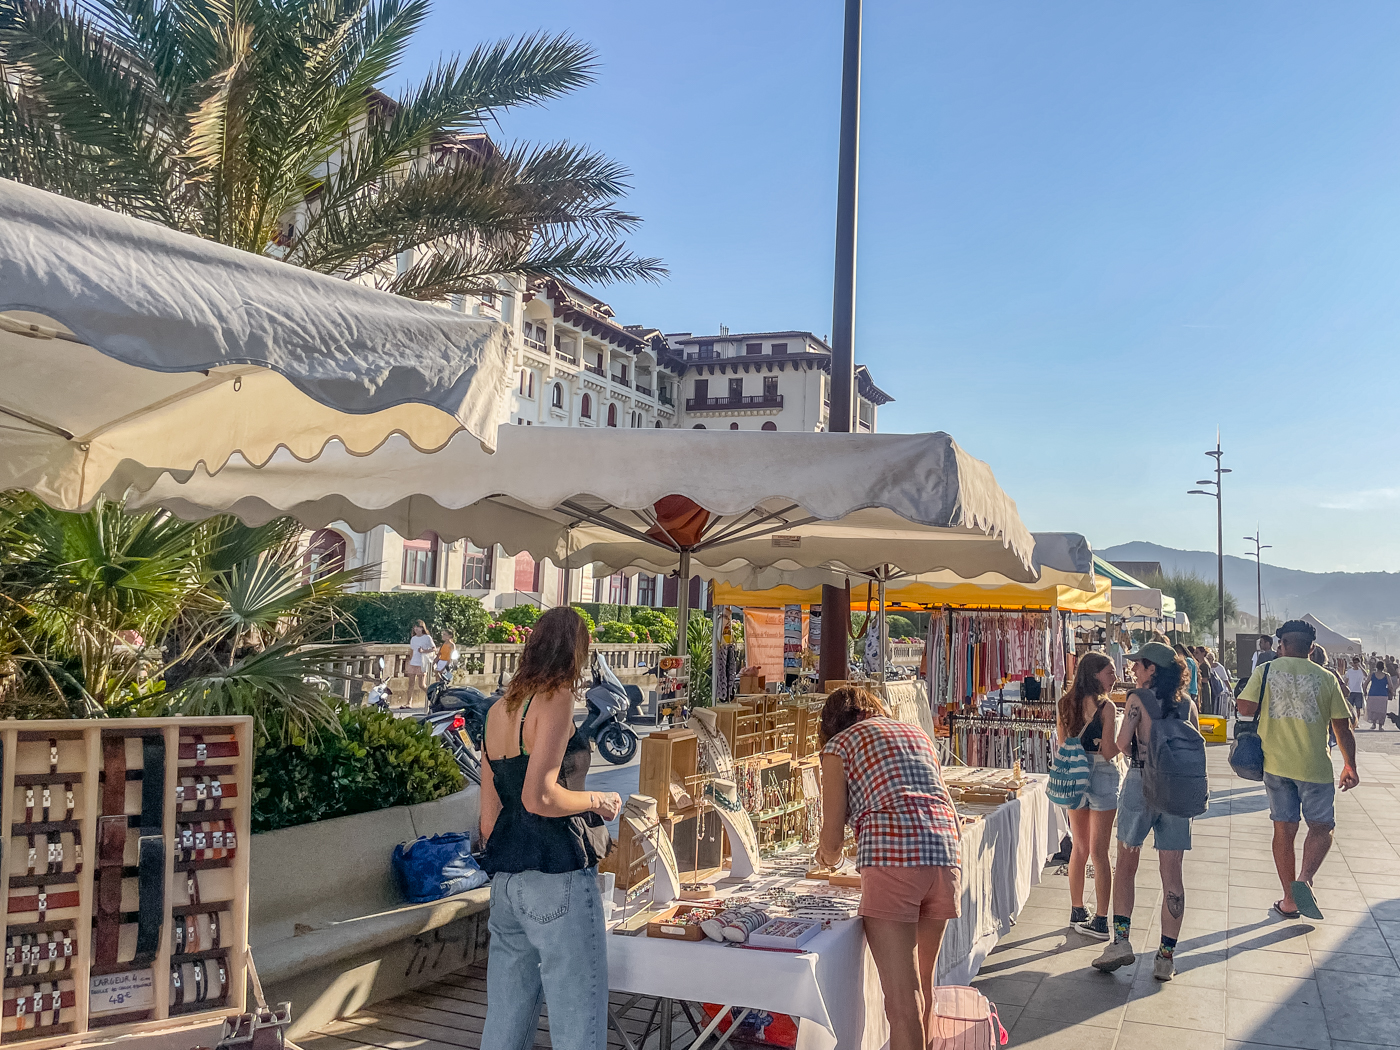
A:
[1069,774]
[428,869]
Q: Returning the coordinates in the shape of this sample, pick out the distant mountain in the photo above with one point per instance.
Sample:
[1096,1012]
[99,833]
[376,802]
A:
[1363,605]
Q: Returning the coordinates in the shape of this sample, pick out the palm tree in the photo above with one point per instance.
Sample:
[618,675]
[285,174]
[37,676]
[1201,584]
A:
[258,124]
[162,616]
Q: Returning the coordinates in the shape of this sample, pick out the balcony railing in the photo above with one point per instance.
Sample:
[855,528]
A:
[645,391]
[621,381]
[701,355]
[719,404]
[566,358]
[666,399]
[597,370]
[537,346]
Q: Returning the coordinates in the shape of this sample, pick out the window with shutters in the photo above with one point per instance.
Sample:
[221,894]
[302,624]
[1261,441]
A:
[770,387]
[753,349]
[586,407]
[420,561]
[527,573]
[612,414]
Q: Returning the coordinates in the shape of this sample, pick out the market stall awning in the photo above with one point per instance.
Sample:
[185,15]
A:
[1143,602]
[1336,643]
[582,496]
[1063,562]
[124,344]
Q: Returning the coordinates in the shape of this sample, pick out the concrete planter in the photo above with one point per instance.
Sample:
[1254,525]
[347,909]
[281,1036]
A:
[328,928]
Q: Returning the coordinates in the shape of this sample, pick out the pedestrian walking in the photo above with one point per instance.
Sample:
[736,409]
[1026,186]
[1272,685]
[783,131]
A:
[420,644]
[1193,673]
[1264,652]
[1160,675]
[1356,682]
[1300,702]
[1378,694]
[1086,712]
[544,837]
[882,777]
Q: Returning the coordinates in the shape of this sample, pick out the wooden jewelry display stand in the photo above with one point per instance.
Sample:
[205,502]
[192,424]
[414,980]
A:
[127,866]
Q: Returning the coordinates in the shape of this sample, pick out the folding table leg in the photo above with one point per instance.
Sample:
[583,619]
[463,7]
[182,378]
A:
[616,1023]
[667,1010]
[733,1028]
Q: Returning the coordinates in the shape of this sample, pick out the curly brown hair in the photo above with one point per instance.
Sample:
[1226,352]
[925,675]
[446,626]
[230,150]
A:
[845,707]
[554,657]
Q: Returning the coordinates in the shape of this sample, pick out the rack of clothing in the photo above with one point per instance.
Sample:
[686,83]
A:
[990,740]
[973,652]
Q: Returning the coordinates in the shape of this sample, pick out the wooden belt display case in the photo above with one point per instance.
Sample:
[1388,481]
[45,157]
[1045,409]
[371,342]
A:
[126,862]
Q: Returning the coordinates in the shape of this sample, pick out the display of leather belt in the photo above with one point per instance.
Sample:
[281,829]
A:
[43,902]
[32,953]
[201,751]
[201,981]
[39,1009]
[196,932]
[112,836]
[195,794]
[209,840]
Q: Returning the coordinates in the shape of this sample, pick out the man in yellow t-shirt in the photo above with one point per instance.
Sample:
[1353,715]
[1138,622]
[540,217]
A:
[1300,700]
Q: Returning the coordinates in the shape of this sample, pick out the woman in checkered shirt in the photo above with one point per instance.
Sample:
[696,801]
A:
[882,778]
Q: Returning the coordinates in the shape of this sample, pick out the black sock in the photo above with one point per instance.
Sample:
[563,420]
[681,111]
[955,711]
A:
[1168,947]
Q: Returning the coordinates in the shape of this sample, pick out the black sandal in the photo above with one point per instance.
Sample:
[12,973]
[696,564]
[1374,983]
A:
[1277,908]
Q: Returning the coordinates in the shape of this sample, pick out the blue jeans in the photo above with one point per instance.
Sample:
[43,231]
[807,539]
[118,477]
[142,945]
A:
[1136,819]
[1291,799]
[548,943]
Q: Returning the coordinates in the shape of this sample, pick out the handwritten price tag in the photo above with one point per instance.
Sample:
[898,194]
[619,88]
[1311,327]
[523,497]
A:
[118,992]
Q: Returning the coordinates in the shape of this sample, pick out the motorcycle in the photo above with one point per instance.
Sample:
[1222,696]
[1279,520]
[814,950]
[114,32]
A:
[451,728]
[605,723]
[469,702]
[379,695]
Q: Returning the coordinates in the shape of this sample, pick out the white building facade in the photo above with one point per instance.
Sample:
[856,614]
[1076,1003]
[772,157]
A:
[575,366]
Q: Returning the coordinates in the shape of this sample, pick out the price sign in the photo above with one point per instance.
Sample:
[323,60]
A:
[111,993]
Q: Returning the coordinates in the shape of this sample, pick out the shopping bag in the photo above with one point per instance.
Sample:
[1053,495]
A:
[1069,774]
[963,1019]
[428,869]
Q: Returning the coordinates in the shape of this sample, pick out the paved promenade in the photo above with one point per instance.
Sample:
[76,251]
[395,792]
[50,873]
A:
[1246,979]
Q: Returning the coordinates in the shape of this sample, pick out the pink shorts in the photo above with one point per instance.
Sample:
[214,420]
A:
[910,894]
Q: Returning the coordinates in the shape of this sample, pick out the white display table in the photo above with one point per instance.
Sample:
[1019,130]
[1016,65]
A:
[833,987]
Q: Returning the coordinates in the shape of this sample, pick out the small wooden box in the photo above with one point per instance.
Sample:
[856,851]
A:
[667,756]
[666,927]
[752,683]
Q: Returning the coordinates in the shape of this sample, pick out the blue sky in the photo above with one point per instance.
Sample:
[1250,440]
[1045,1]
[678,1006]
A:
[1090,233]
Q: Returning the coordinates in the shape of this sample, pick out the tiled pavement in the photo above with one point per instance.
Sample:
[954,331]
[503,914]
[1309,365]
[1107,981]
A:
[1246,980]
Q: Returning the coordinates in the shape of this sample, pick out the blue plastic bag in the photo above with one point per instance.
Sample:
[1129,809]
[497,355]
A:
[428,869]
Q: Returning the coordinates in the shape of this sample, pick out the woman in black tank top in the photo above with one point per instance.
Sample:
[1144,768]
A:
[544,837]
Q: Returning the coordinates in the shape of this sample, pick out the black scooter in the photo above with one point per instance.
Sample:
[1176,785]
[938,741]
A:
[606,721]
[471,703]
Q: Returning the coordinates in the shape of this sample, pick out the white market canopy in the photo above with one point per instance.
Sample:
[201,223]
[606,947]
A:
[583,496]
[126,344]
[1336,643]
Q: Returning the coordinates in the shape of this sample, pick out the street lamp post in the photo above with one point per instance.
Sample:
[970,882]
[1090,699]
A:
[843,306]
[1216,454]
[1258,552]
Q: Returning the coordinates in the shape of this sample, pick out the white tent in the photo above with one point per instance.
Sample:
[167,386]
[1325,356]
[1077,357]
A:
[654,500]
[1335,643]
[126,343]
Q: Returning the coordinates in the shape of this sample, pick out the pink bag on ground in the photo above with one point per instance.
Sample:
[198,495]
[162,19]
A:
[963,1019]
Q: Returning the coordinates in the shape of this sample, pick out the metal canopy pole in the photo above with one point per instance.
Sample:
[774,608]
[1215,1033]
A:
[683,605]
[843,310]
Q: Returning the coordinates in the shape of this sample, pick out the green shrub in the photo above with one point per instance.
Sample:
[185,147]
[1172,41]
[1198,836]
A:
[520,615]
[378,761]
[601,612]
[387,616]
[501,632]
[660,629]
[587,620]
[615,633]
[901,627]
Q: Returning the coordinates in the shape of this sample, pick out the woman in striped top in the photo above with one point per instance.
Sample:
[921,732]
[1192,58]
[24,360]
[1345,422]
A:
[882,777]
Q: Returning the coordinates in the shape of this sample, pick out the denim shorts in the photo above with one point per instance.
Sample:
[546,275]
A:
[1135,819]
[1291,799]
[1105,781]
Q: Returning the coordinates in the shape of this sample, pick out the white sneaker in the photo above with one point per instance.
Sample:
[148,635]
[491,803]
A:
[1163,968]
[1119,953]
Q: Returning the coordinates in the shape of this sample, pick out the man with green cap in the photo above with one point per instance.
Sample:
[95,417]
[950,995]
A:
[1161,677]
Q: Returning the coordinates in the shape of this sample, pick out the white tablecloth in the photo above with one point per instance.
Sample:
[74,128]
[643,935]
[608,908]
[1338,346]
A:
[833,987]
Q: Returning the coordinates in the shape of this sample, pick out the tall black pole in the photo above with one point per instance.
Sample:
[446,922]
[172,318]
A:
[1216,454]
[843,310]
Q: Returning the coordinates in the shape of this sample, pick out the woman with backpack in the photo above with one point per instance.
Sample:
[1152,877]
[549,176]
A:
[1085,712]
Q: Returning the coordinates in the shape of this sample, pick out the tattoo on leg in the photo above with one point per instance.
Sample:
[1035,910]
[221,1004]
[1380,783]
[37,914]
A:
[1176,905]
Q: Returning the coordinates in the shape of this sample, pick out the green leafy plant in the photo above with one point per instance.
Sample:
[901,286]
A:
[373,762]
[659,628]
[387,617]
[615,633]
[501,632]
[520,615]
[259,124]
[900,627]
[587,620]
[700,646]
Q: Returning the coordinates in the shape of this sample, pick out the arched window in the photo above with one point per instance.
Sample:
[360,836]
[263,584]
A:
[325,553]
[522,382]
[698,426]
[658,424]
[733,426]
[531,391]
[612,414]
[586,407]
[557,398]
[420,560]
[769,425]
